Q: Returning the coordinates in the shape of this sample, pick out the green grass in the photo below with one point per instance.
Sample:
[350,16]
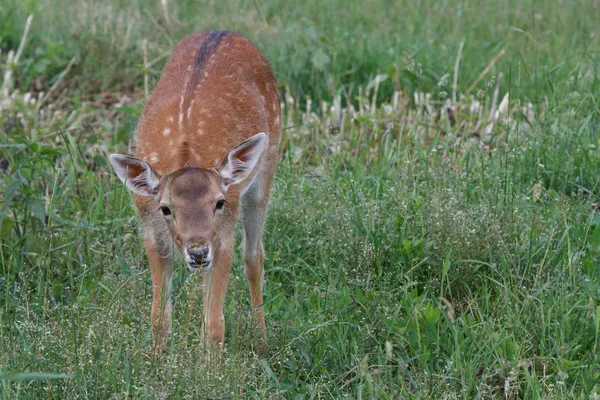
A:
[316,48]
[408,256]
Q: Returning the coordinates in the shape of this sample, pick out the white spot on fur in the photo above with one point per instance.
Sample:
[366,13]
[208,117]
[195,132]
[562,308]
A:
[154,157]
[170,119]
[166,131]
[181,107]
[200,132]
[187,81]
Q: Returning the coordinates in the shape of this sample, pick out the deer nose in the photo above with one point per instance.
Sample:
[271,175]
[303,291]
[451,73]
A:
[198,253]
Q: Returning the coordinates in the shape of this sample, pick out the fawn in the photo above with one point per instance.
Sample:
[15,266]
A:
[207,147]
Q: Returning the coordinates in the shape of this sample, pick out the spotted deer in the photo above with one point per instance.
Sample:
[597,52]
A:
[207,148]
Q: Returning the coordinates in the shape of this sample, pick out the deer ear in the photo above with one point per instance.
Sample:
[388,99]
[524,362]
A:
[241,160]
[136,174]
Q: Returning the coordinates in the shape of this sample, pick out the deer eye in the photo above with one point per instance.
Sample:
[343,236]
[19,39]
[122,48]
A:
[165,210]
[220,204]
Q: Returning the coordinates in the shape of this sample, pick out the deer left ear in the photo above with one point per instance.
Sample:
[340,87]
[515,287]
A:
[241,160]
[136,174]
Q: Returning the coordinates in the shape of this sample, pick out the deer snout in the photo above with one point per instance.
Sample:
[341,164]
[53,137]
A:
[198,255]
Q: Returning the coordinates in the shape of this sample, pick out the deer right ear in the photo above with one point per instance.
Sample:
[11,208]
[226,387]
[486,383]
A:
[136,174]
[241,160]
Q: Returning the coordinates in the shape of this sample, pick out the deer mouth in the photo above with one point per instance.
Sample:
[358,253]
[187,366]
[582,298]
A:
[194,266]
[198,260]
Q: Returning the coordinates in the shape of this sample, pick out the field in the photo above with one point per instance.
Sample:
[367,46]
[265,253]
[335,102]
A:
[434,228]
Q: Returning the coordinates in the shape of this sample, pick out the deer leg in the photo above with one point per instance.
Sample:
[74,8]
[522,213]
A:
[215,281]
[255,209]
[161,269]
[215,289]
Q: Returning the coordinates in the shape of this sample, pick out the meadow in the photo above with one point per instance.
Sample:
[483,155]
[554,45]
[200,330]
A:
[434,228]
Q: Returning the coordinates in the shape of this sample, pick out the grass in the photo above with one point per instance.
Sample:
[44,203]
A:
[317,49]
[412,251]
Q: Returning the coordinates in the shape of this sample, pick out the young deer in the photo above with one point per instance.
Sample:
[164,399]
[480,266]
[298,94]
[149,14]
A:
[200,159]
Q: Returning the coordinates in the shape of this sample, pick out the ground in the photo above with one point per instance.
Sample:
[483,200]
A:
[433,230]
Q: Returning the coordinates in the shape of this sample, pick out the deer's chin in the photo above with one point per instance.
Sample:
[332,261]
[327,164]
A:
[204,267]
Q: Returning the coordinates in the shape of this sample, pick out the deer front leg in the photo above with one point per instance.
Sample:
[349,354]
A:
[161,269]
[255,208]
[215,289]
[253,261]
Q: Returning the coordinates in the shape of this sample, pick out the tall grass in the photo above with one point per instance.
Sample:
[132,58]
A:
[318,49]
[416,246]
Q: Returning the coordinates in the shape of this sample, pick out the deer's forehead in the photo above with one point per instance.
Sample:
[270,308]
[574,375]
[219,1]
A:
[192,184]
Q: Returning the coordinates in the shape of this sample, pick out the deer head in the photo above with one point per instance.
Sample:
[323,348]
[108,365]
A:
[192,200]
